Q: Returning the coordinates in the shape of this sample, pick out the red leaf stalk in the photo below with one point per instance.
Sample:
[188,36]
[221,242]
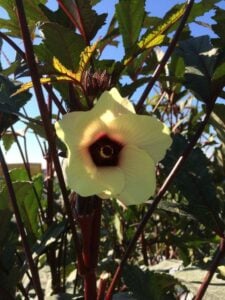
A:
[90,229]
[218,257]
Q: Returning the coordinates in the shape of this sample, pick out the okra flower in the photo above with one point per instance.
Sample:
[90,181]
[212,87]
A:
[112,152]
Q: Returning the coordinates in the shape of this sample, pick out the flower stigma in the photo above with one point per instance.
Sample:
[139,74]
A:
[105,151]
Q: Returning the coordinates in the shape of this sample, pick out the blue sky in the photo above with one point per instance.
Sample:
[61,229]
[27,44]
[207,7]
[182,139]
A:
[158,8]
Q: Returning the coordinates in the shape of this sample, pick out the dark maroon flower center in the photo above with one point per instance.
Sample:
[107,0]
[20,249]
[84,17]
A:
[105,152]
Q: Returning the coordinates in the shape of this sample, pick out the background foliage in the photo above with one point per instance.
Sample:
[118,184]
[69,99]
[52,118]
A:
[168,73]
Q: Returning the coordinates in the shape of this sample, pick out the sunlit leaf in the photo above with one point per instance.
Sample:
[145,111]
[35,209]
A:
[62,43]
[84,60]
[63,70]
[130,15]
[156,35]
[26,86]
[65,73]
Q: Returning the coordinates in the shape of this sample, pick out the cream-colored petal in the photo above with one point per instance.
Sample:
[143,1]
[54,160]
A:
[80,129]
[146,132]
[66,126]
[139,171]
[112,178]
[86,179]
[83,128]
[111,105]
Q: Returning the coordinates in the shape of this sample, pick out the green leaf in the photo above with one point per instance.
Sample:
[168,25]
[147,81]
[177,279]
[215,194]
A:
[130,15]
[129,89]
[195,183]
[87,20]
[147,285]
[57,16]
[200,8]
[50,236]
[8,140]
[219,76]
[27,202]
[33,13]
[9,271]
[200,60]
[155,36]
[217,119]
[176,71]
[62,43]
[18,174]
[10,105]
[28,207]
[219,27]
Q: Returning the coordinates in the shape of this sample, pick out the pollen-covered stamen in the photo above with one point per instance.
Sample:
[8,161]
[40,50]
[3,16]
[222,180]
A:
[105,152]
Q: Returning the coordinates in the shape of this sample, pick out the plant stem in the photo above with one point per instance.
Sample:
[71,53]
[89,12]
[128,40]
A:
[49,129]
[90,224]
[166,56]
[176,168]
[20,226]
[27,168]
[90,292]
[23,56]
[12,44]
[219,255]
[55,99]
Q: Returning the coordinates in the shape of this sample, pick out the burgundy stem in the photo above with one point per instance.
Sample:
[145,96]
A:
[49,129]
[90,292]
[166,56]
[75,21]
[20,226]
[22,54]
[89,219]
[218,257]
[27,168]
[12,44]
[156,201]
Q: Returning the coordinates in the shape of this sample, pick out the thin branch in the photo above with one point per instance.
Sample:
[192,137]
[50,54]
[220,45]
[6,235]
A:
[49,129]
[23,56]
[12,44]
[55,99]
[166,56]
[217,259]
[178,165]
[27,168]
[20,226]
